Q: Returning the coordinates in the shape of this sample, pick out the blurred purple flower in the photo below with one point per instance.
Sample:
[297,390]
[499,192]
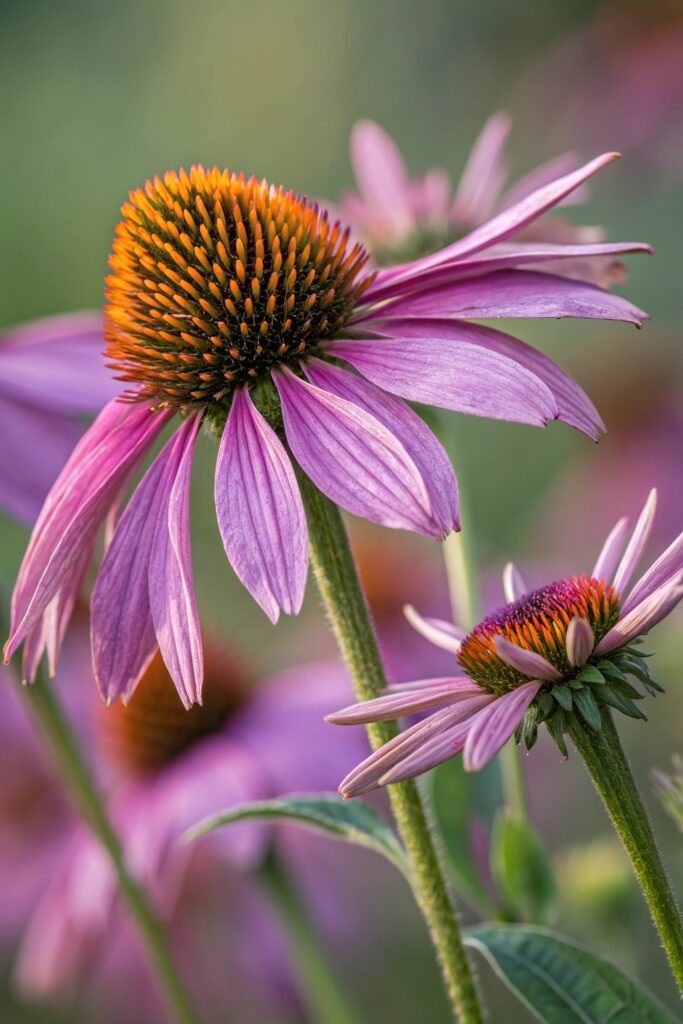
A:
[566,648]
[163,768]
[51,375]
[398,216]
[404,333]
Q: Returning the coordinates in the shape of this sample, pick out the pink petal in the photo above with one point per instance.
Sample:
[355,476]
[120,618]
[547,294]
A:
[451,374]
[260,512]
[611,549]
[172,599]
[426,694]
[540,176]
[494,725]
[409,428]
[580,641]
[380,173]
[669,564]
[514,586]
[643,615]
[353,458]
[76,506]
[440,633]
[637,543]
[527,662]
[484,174]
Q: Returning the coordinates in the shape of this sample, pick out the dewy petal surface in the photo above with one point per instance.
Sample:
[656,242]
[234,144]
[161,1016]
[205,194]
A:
[353,458]
[260,512]
[494,725]
[452,374]
[405,424]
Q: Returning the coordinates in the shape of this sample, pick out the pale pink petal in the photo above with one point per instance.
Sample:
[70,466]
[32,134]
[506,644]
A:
[643,615]
[380,173]
[529,663]
[405,424]
[669,564]
[481,181]
[426,694]
[514,586]
[353,458]
[611,550]
[540,176]
[439,632]
[580,641]
[260,512]
[452,374]
[637,543]
[494,725]
[172,599]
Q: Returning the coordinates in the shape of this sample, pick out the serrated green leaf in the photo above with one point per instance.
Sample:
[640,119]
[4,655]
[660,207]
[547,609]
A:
[563,696]
[561,982]
[351,820]
[587,707]
[521,867]
[590,674]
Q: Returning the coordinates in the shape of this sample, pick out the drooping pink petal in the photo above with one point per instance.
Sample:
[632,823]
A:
[172,601]
[418,440]
[260,512]
[57,364]
[511,294]
[76,506]
[611,550]
[529,663]
[644,615]
[426,694]
[580,641]
[494,725]
[514,586]
[451,374]
[439,632]
[637,543]
[482,179]
[381,174]
[506,223]
[353,458]
[544,174]
[668,565]
[574,406]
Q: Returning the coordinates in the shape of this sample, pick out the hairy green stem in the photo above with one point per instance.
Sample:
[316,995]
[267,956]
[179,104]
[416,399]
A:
[341,591]
[610,771]
[317,986]
[45,706]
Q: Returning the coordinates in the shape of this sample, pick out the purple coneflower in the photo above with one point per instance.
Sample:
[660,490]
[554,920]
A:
[400,217]
[569,648]
[51,375]
[239,305]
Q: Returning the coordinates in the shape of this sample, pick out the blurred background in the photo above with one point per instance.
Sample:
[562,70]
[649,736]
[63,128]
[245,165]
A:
[99,96]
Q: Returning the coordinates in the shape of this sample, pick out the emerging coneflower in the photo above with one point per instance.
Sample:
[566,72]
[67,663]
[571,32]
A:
[239,305]
[400,217]
[566,649]
[51,375]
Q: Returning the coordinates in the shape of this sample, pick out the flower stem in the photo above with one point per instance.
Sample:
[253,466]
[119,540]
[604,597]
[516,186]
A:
[609,769]
[319,989]
[45,706]
[341,591]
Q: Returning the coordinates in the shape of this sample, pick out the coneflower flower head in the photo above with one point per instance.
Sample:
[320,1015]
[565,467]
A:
[241,305]
[569,648]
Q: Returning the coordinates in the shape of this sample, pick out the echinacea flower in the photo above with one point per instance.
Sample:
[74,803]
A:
[161,769]
[400,217]
[51,375]
[239,305]
[568,648]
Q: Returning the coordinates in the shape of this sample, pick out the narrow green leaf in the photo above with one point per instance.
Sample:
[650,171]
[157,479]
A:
[351,820]
[623,704]
[588,708]
[557,724]
[521,868]
[561,982]
[563,696]
[590,674]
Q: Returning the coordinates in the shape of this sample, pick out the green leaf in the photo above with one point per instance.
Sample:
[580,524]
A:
[588,708]
[563,696]
[590,674]
[561,982]
[521,868]
[351,820]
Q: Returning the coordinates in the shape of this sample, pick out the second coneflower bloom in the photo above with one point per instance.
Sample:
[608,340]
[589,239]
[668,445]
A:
[569,648]
[238,305]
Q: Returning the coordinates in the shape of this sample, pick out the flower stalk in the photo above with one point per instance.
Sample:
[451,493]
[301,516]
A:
[609,769]
[45,706]
[340,588]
